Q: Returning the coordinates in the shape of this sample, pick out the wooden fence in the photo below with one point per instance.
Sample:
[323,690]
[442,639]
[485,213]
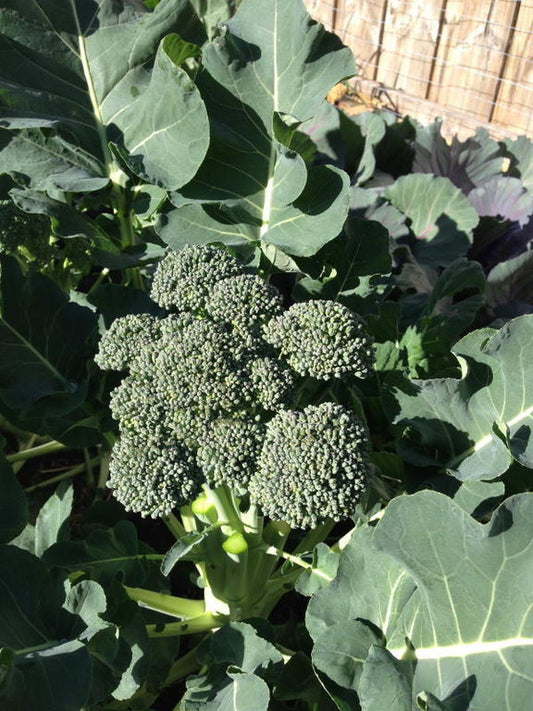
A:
[469,61]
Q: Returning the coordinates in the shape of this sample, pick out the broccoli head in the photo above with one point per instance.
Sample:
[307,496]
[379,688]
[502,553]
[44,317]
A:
[245,301]
[313,465]
[25,233]
[322,339]
[183,280]
[208,393]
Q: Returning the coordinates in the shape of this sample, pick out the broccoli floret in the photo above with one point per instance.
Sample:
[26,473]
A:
[183,280]
[313,465]
[152,475]
[203,367]
[322,339]
[245,301]
[229,452]
[273,382]
[125,340]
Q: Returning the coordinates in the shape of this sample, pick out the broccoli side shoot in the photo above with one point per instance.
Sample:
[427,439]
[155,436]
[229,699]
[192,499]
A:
[313,465]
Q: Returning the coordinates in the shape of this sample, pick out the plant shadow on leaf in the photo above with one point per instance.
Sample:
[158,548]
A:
[501,521]
[449,244]
[429,441]
[458,700]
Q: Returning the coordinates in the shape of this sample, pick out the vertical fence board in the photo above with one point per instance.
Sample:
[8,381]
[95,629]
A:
[514,101]
[411,32]
[463,60]
[468,65]
[323,11]
[360,25]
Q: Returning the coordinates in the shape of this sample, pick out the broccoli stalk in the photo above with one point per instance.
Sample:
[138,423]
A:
[214,424]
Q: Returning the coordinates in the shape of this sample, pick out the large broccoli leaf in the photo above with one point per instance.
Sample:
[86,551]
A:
[474,426]
[456,618]
[45,340]
[268,71]
[78,73]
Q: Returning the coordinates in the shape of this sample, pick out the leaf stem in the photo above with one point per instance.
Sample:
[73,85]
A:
[174,526]
[33,452]
[180,607]
[202,623]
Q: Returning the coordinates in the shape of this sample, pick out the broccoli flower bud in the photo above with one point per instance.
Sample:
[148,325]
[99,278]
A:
[273,382]
[151,476]
[183,280]
[246,301]
[229,452]
[322,339]
[125,339]
[313,465]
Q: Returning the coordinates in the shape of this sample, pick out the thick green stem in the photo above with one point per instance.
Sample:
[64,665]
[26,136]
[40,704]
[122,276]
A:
[174,526]
[182,667]
[33,452]
[226,506]
[103,475]
[167,604]
[202,623]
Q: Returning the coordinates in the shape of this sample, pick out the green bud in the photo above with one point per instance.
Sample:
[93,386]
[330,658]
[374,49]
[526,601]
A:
[235,544]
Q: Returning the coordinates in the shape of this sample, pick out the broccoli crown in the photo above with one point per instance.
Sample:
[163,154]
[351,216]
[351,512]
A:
[313,465]
[322,339]
[207,395]
[183,280]
[229,453]
[273,382]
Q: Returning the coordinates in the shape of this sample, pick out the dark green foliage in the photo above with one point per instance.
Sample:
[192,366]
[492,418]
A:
[313,465]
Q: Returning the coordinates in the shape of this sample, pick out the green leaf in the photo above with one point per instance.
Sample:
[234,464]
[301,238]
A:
[475,425]
[13,503]
[451,605]
[77,75]
[237,659]
[325,563]
[488,643]
[182,548]
[52,518]
[520,151]
[384,683]
[49,335]
[67,221]
[51,667]
[104,555]
[157,128]
[438,212]
[270,62]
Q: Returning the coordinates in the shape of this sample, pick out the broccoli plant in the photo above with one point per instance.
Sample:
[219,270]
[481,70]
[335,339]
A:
[220,425]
